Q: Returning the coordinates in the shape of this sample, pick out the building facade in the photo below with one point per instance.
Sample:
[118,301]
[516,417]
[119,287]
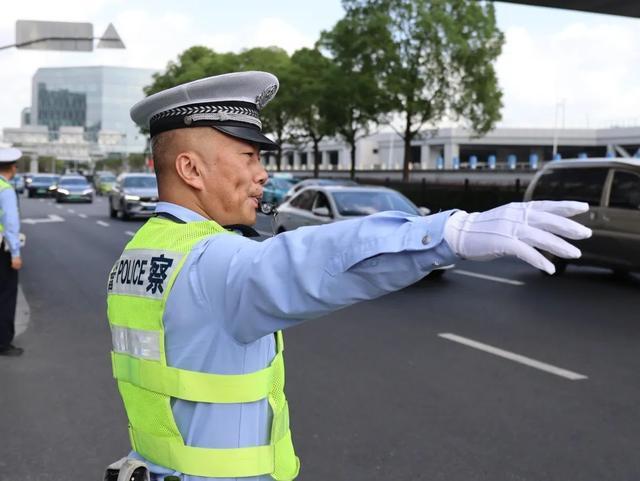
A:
[459,149]
[82,113]
[95,98]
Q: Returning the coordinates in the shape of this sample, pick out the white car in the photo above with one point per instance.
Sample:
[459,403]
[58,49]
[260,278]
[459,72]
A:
[323,204]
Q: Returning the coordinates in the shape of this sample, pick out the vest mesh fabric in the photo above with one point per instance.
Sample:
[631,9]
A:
[152,427]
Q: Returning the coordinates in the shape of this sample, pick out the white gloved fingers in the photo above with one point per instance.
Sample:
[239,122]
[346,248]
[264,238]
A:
[558,225]
[565,208]
[548,242]
[528,254]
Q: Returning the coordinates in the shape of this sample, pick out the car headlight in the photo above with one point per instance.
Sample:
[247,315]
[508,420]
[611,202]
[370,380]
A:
[131,197]
[87,191]
[53,187]
[63,191]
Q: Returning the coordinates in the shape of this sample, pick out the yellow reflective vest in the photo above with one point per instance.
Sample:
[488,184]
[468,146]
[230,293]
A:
[138,288]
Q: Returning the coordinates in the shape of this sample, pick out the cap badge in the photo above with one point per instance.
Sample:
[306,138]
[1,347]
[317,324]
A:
[266,95]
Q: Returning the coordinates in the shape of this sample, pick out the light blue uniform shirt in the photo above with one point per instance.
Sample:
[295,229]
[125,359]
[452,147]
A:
[10,219]
[233,293]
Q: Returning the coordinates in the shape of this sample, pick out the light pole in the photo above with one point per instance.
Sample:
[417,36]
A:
[73,36]
[558,105]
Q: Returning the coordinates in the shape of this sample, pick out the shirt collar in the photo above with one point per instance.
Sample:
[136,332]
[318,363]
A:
[179,211]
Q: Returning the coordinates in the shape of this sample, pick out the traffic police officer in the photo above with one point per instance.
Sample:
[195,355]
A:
[197,312]
[10,260]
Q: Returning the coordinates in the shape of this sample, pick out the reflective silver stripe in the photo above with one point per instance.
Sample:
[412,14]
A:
[136,342]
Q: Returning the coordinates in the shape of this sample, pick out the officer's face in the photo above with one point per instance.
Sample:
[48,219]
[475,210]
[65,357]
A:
[232,179]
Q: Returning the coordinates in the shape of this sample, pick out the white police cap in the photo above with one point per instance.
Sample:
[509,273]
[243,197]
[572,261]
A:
[9,155]
[230,103]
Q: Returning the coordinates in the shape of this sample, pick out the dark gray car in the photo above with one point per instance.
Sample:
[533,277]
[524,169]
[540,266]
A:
[612,189]
[133,195]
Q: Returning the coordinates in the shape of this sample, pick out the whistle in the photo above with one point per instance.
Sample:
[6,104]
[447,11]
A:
[268,208]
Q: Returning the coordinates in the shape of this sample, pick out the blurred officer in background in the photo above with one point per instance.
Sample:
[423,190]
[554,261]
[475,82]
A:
[197,312]
[10,260]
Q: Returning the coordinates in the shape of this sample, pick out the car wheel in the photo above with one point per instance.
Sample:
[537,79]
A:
[113,213]
[30,194]
[124,214]
[58,200]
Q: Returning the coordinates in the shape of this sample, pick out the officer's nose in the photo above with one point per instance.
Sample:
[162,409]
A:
[262,176]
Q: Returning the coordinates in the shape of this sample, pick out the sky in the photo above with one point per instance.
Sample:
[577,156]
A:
[557,67]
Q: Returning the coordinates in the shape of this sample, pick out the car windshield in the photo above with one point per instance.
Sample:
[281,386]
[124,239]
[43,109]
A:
[144,182]
[44,178]
[107,178]
[370,202]
[76,181]
[280,184]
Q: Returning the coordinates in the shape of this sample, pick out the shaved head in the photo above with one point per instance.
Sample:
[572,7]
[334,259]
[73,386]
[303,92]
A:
[161,145]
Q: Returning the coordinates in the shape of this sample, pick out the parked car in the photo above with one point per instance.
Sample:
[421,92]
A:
[276,188]
[309,182]
[42,185]
[104,182]
[134,194]
[18,182]
[73,188]
[612,189]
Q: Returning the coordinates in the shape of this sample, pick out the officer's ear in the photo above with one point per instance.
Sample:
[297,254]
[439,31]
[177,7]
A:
[188,166]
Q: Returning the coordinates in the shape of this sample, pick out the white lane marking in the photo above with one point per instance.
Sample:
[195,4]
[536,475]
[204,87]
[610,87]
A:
[84,216]
[102,223]
[512,356]
[129,233]
[50,218]
[487,277]
[23,313]
[71,211]
[58,207]
[41,200]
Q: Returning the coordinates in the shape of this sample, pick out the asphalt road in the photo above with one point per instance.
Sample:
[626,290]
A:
[392,389]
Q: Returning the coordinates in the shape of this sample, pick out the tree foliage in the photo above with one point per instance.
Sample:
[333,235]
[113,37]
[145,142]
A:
[311,78]
[355,97]
[413,61]
[433,61]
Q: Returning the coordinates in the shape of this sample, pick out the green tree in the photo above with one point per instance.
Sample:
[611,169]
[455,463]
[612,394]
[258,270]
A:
[310,73]
[434,61]
[199,62]
[276,117]
[194,63]
[355,99]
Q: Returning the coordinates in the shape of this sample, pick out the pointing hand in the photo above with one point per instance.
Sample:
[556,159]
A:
[518,229]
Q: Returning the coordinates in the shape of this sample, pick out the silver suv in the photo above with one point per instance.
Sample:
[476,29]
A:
[134,194]
[612,189]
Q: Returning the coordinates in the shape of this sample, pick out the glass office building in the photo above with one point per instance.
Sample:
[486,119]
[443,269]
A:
[95,98]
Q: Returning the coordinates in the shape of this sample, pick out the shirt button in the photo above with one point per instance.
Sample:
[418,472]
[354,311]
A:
[436,263]
[426,239]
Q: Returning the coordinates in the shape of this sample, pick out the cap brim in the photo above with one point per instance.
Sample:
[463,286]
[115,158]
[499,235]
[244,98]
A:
[10,155]
[249,134]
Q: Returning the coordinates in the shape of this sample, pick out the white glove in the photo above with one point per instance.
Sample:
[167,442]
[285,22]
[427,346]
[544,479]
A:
[515,229]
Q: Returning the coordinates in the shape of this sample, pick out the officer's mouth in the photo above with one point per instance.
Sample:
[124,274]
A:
[255,199]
